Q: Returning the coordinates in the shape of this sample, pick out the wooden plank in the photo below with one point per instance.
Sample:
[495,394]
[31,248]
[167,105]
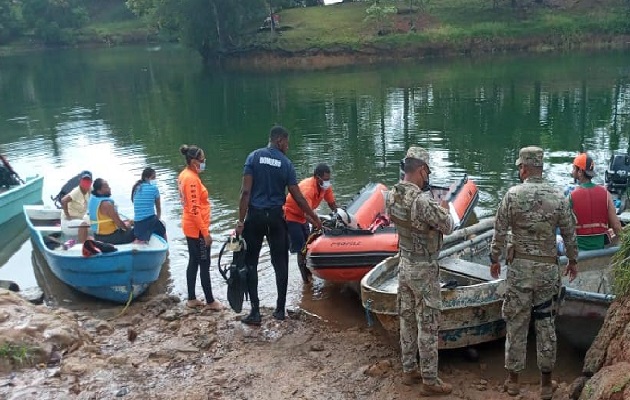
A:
[463,267]
[47,228]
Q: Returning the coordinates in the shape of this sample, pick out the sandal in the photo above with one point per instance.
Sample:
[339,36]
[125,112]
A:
[194,303]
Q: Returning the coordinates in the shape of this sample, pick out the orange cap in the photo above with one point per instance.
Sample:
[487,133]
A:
[585,163]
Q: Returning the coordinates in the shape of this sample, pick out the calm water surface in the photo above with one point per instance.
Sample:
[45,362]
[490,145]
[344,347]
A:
[115,111]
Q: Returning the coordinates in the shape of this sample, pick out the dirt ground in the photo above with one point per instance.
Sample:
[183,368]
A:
[159,349]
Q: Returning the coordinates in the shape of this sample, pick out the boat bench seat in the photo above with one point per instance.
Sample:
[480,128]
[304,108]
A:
[468,268]
[48,228]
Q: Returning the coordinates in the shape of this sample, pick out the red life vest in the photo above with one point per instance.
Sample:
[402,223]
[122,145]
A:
[590,206]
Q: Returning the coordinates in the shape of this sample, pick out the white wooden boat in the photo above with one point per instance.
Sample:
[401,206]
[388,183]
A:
[471,299]
[471,312]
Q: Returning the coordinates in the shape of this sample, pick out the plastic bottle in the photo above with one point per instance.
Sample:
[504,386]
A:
[68,244]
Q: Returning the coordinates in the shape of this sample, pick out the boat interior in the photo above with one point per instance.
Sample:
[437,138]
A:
[47,221]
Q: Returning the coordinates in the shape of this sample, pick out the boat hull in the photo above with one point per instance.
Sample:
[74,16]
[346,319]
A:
[13,199]
[346,255]
[120,276]
[471,312]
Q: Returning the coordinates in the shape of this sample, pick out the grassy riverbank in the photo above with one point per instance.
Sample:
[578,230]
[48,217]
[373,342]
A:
[449,22]
[340,34]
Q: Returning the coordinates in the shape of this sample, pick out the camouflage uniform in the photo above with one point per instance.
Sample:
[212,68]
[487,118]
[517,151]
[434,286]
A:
[420,223]
[533,210]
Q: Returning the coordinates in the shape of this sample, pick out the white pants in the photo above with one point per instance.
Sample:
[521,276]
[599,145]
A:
[70,227]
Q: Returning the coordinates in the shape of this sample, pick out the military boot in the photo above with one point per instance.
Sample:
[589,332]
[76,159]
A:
[253,318]
[511,385]
[546,386]
[438,388]
[411,378]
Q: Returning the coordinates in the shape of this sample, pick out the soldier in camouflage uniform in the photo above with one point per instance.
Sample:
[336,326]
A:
[421,222]
[532,210]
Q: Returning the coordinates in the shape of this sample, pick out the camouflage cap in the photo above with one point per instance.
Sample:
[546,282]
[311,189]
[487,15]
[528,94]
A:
[418,153]
[530,156]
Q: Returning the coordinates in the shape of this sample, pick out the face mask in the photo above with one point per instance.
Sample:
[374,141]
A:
[85,185]
[202,166]
[152,182]
[325,185]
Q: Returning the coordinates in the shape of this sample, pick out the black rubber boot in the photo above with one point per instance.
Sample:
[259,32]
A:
[279,314]
[253,318]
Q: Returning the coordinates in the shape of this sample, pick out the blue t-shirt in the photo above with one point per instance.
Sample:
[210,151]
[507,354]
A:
[144,201]
[271,173]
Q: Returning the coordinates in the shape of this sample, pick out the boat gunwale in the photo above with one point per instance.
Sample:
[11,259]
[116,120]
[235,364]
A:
[128,250]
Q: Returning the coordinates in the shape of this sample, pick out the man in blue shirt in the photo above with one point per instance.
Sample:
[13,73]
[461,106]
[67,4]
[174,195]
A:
[266,176]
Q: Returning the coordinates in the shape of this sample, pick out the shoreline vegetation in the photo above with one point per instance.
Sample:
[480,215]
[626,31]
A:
[353,33]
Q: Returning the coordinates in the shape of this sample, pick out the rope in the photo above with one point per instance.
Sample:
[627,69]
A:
[126,305]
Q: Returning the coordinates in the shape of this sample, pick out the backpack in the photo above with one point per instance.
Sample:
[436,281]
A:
[65,189]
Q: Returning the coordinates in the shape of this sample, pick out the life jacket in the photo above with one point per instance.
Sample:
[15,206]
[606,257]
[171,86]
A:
[101,224]
[590,206]
[420,239]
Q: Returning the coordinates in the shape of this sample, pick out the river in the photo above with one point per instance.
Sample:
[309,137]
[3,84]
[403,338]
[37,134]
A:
[115,111]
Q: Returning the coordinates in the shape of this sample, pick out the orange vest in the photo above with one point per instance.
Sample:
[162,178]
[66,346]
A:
[590,206]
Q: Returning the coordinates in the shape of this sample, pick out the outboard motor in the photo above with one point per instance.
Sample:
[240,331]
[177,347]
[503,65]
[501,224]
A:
[617,175]
[345,219]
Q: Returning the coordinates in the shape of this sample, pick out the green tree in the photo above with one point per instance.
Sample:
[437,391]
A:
[381,12]
[209,26]
[53,21]
[10,20]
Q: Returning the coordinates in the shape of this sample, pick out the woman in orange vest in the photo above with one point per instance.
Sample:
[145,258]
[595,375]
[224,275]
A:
[196,225]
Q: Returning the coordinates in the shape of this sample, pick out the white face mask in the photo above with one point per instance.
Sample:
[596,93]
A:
[325,185]
[152,182]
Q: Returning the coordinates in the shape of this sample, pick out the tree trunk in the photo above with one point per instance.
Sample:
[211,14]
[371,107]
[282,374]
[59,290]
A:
[217,22]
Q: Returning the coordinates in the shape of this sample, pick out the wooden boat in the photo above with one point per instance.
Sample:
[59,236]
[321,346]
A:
[363,236]
[471,301]
[119,276]
[580,316]
[13,198]
[587,298]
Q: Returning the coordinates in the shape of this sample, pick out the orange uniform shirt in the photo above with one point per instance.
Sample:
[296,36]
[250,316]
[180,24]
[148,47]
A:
[313,194]
[196,206]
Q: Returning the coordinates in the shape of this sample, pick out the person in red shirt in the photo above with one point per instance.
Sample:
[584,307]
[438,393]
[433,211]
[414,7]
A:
[315,189]
[593,207]
[196,225]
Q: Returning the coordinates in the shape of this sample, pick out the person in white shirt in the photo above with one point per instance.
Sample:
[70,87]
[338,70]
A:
[74,219]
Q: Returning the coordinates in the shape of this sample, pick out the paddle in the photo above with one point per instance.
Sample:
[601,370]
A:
[10,168]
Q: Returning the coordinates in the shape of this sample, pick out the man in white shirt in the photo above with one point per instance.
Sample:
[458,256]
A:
[74,219]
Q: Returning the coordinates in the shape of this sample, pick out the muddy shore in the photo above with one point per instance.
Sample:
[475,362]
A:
[159,349]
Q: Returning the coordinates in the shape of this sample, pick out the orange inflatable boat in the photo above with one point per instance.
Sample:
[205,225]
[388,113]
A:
[360,236]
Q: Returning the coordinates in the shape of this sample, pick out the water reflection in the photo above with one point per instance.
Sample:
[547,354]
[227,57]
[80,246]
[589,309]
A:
[114,111]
